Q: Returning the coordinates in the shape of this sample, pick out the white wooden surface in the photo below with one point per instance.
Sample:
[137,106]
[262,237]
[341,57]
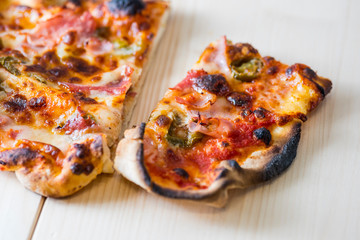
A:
[317,198]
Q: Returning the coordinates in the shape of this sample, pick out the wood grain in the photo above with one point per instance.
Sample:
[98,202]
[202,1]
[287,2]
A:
[317,198]
[18,208]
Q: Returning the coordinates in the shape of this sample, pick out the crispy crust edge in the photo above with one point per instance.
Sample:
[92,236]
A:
[273,161]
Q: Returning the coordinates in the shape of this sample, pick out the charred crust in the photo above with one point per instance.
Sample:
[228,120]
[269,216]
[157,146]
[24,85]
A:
[263,134]
[140,159]
[234,165]
[214,83]
[18,156]
[142,130]
[323,85]
[224,173]
[130,7]
[78,168]
[81,151]
[283,160]
[97,147]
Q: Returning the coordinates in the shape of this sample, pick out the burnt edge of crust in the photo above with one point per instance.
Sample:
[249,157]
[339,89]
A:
[278,164]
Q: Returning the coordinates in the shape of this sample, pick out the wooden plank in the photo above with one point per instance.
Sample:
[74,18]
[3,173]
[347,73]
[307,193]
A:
[18,208]
[317,198]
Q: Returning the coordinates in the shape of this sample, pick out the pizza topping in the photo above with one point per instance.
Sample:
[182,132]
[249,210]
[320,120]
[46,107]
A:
[51,31]
[239,99]
[10,63]
[179,135]
[215,83]
[247,70]
[130,7]
[81,121]
[263,134]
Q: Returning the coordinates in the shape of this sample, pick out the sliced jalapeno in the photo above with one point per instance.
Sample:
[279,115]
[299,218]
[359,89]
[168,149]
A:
[247,70]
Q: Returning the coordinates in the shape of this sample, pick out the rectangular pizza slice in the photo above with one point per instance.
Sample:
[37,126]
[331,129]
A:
[68,70]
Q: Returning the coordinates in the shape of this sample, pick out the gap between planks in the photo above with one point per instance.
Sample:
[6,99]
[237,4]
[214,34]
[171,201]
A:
[36,217]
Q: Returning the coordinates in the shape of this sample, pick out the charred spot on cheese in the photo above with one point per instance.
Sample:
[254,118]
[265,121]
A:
[35,68]
[81,66]
[260,113]
[49,57]
[263,134]
[163,121]
[239,99]
[37,103]
[130,7]
[74,80]
[181,172]
[245,113]
[272,70]
[214,83]
[246,69]
[16,103]
[87,100]
[69,38]
[240,50]
[17,156]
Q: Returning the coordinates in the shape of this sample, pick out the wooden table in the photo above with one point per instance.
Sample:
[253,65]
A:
[317,198]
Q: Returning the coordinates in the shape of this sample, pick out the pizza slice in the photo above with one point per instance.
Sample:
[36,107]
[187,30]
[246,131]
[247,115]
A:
[233,122]
[70,72]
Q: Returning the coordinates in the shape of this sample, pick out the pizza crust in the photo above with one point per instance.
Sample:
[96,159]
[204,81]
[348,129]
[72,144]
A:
[49,181]
[260,167]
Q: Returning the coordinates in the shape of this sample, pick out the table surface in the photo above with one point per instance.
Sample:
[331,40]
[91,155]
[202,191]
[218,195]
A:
[318,197]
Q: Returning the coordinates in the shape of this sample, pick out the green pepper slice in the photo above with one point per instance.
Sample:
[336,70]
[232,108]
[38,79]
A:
[9,63]
[247,70]
[179,135]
